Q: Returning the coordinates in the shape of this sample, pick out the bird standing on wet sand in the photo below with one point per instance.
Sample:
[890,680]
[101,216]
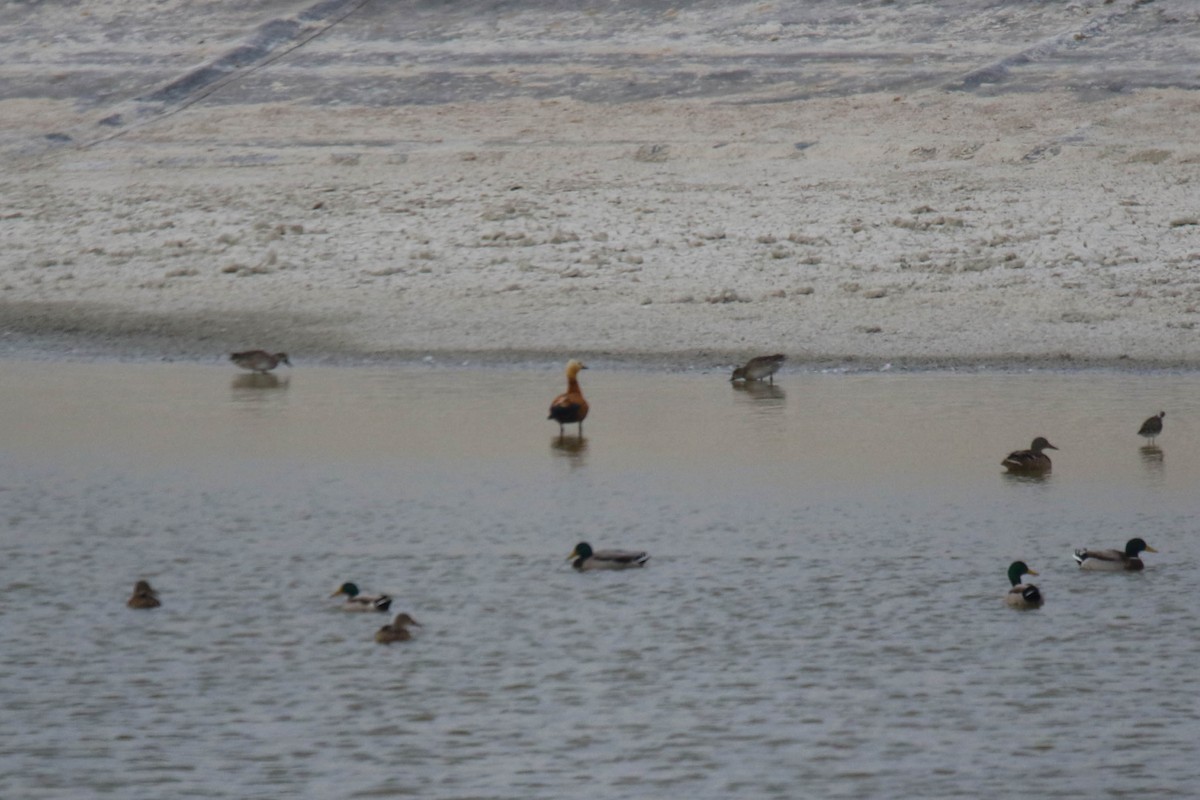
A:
[570,406]
[1022,595]
[259,360]
[362,602]
[758,368]
[143,596]
[1031,461]
[1114,560]
[1152,427]
[396,631]
[584,558]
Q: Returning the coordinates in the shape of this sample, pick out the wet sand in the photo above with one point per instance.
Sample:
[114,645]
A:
[841,183]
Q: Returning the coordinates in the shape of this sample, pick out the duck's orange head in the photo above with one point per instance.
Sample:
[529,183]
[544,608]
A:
[573,368]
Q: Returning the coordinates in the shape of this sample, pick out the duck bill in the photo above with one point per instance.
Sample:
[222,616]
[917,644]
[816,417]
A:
[1031,572]
[335,594]
[1150,549]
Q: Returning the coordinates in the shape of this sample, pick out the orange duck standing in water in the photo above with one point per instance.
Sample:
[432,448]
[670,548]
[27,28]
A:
[570,406]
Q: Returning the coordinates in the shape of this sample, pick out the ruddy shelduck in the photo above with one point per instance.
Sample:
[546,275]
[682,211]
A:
[570,406]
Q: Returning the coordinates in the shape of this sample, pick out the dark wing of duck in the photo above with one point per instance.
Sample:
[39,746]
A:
[627,558]
[1026,460]
[381,603]
[1083,554]
[566,409]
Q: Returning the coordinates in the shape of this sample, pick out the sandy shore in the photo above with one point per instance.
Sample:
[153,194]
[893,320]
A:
[918,223]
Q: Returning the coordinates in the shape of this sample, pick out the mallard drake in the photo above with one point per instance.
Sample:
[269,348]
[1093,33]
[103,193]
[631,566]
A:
[585,558]
[396,632]
[1152,427]
[570,406]
[259,360]
[1032,460]
[362,602]
[143,596]
[758,368]
[1114,560]
[1022,595]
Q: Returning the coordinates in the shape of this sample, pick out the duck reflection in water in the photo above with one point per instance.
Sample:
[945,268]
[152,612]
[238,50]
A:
[255,381]
[572,447]
[1152,456]
[757,390]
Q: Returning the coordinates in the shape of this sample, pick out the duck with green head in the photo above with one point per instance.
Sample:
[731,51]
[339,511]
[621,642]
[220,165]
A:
[1022,595]
[1114,560]
[356,601]
[584,558]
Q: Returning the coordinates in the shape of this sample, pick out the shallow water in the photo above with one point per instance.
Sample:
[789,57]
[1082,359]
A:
[822,614]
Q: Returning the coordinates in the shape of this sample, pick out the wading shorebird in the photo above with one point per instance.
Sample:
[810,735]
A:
[362,602]
[143,596]
[396,631]
[570,406]
[1152,427]
[758,368]
[1022,595]
[1114,560]
[1032,461]
[584,558]
[259,360]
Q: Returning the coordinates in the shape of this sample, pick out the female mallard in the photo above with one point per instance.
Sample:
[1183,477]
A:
[362,602]
[585,558]
[143,596]
[259,360]
[758,368]
[396,632]
[570,406]
[1022,595]
[1152,427]
[1114,560]
[1032,460]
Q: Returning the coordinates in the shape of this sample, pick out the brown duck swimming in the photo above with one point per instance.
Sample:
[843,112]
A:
[758,368]
[570,406]
[259,360]
[1031,461]
[396,631]
[143,596]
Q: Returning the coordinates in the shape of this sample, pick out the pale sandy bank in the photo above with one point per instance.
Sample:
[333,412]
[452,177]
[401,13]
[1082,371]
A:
[926,225]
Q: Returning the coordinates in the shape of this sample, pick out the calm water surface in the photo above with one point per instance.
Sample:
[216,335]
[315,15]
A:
[822,615]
